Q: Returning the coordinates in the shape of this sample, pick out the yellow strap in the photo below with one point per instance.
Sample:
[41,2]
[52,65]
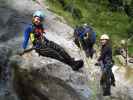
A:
[32,37]
[83,55]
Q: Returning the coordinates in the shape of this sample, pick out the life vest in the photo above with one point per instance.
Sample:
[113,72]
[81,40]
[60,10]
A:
[37,33]
[85,33]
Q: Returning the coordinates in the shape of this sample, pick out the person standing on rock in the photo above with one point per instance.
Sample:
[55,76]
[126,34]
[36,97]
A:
[106,62]
[85,37]
[44,47]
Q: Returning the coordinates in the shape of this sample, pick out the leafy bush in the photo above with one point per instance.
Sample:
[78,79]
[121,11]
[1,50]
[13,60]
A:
[117,24]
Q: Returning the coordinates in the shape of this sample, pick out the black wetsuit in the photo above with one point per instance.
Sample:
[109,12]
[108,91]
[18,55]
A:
[106,63]
[51,49]
[106,58]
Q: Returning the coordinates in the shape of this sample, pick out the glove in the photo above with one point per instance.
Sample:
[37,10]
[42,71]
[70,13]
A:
[34,42]
[21,52]
[97,64]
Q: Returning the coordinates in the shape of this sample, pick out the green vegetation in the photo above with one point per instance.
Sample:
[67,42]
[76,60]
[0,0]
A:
[114,17]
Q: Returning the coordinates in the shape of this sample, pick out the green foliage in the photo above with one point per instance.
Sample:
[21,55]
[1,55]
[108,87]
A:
[98,14]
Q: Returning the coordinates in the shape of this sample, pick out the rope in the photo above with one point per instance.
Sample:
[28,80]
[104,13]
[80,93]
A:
[83,54]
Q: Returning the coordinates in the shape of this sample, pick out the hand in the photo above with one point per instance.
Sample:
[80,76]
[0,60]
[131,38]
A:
[97,64]
[44,34]
[45,31]
[21,52]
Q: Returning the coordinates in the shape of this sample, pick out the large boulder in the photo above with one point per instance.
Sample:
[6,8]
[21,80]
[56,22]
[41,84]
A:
[46,78]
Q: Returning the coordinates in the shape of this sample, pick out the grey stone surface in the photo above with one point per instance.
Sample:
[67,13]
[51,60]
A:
[14,16]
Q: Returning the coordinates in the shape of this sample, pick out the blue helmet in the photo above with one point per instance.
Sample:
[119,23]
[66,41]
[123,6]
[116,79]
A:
[39,14]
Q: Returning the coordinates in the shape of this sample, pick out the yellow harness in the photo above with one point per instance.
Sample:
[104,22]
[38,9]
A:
[32,37]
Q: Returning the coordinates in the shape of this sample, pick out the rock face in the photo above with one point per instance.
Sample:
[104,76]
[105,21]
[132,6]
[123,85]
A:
[51,80]
[34,77]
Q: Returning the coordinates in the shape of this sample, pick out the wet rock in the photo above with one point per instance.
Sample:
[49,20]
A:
[51,80]
[43,78]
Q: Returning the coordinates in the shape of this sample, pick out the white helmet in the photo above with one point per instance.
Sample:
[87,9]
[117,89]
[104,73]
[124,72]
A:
[104,36]
[123,42]
[85,24]
[39,14]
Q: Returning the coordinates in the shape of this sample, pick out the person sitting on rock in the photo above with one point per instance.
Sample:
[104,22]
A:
[44,47]
[105,60]
[85,37]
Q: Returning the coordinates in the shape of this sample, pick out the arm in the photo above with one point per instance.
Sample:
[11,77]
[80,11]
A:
[26,51]
[101,58]
[44,28]
[103,54]
[26,37]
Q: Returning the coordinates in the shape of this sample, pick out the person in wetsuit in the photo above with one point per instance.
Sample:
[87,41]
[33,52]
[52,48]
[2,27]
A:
[105,60]
[36,33]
